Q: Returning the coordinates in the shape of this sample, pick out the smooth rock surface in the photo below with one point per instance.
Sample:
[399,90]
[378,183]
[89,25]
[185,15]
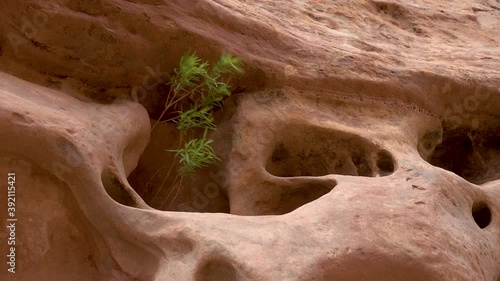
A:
[362,143]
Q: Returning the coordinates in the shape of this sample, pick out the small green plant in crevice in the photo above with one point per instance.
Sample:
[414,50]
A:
[197,88]
[195,153]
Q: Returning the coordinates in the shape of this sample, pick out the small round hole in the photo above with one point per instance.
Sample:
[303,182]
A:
[385,163]
[217,270]
[481,214]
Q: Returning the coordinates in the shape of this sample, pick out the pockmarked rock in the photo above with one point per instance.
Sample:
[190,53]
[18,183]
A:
[362,143]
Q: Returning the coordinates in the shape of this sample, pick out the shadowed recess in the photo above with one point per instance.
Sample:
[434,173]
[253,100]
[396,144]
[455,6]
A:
[385,163]
[472,154]
[154,178]
[309,151]
[295,195]
[481,214]
[116,189]
[217,270]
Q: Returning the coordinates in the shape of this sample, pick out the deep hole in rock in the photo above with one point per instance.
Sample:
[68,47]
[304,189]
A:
[116,189]
[217,270]
[318,151]
[156,179]
[393,9]
[481,214]
[295,196]
[471,154]
[385,163]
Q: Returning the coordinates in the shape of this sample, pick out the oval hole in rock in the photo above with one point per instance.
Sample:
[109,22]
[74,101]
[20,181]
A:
[218,270]
[314,151]
[471,154]
[385,163]
[116,189]
[481,214]
[296,196]
[155,178]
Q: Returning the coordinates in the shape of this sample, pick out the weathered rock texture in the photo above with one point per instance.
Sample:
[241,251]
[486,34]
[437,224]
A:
[362,143]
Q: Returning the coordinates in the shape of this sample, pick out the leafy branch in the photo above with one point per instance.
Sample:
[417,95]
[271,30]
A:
[202,85]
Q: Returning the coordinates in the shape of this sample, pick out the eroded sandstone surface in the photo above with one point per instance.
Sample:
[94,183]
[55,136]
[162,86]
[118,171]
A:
[362,143]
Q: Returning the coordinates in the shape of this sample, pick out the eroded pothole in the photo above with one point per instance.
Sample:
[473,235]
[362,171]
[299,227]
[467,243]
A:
[309,151]
[473,154]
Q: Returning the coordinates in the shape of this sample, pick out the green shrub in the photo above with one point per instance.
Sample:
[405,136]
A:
[202,85]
